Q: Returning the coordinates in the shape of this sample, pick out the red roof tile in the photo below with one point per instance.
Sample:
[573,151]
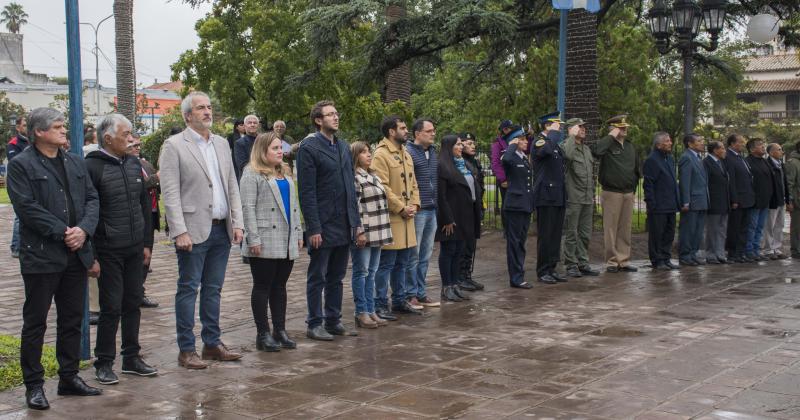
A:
[774,62]
[773,86]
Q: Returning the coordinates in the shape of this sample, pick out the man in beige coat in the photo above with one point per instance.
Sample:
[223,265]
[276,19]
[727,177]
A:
[393,165]
[201,198]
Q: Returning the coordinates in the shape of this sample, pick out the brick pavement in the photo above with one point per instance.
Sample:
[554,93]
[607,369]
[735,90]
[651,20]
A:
[708,342]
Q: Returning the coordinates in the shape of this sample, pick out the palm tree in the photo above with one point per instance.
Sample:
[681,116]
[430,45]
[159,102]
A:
[126,70]
[14,17]
[580,96]
[397,80]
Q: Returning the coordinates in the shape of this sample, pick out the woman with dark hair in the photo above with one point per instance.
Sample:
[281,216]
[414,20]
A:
[458,213]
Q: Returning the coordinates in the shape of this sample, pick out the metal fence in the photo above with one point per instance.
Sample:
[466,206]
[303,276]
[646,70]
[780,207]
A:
[492,201]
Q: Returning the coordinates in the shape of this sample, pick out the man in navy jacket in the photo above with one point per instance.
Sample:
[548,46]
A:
[517,206]
[326,186]
[743,198]
[661,196]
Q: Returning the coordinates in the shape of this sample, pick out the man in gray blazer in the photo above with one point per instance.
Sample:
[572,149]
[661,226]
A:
[694,199]
[201,198]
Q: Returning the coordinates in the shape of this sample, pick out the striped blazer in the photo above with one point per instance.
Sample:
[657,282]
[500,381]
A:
[373,207]
[265,218]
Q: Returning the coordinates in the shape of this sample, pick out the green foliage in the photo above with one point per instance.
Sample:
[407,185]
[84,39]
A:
[8,113]
[14,16]
[10,371]
[151,143]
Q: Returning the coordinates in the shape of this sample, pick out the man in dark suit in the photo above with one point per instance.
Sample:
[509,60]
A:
[772,246]
[550,197]
[517,206]
[719,203]
[694,199]
[326,186]
[763,188]
[742,198]
[661,196]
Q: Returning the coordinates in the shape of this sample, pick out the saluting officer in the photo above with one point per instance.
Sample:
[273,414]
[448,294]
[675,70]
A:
[517,205]
[549,194]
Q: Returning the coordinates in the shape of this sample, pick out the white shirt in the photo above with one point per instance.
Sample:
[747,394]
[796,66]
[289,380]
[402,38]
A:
[219,209]
[776,162]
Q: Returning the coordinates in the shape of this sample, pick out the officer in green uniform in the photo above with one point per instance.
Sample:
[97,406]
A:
[580,200]
[549,196]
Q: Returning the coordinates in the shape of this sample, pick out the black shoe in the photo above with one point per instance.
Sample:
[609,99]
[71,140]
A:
[76,386]
[796,256]
[405,308]
[318,333]
[449,295]
[629,269]
[475,284]
[573,271]
[523,285]
[386,314]
[660,267]
[559,278]
[587,271]
[671,265]
[724,261]
[466,286]
[265,342]
[698,261]
[94,317]
[612,269]
[688,263]
[105,374]
[136,366]
[35,399]
[283,339]
[337,329]
[713,261]
[548,279]
[457,291]
[148,302]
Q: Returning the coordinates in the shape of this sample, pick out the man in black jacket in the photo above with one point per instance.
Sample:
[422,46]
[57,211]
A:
[719,203]
[124,240]
[517,206]
[662,198]
[244,145]
[742,198]
[58,211]
[763,189]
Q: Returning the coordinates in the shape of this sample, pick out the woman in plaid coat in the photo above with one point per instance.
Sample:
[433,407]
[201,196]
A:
[375,231]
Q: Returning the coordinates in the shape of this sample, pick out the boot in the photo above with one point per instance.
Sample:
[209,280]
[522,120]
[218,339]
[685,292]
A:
[449,295]
[363,320]
[457,290]
[283,339]
[378,320]
[266,342]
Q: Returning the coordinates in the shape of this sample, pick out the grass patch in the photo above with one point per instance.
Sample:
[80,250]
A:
[10,371]
[4,196]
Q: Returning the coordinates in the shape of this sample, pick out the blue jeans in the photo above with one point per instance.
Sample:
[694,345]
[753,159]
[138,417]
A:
[425,226]
[201,268]
[392,268]
[15,235]
[755,230]
[365,264]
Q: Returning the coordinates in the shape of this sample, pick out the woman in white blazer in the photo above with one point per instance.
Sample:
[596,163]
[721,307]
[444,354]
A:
[273,235]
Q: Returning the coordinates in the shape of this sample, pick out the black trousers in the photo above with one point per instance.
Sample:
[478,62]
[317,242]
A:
[735,242]
[468,258]
[450,254]
[68,288]
[269,289]
[661,234]
[121,292]
[550,223]
[517,224]
[326,270]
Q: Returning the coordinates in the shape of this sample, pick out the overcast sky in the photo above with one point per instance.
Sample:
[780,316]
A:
[162,31]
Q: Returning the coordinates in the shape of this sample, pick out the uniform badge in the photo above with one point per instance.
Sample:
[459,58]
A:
[539,143]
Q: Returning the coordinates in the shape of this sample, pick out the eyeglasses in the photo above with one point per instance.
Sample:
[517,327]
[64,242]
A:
[332,114]
[136,146]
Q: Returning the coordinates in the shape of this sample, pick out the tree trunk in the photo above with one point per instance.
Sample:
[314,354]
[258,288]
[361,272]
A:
[582,82]
[397,80]
[126,69]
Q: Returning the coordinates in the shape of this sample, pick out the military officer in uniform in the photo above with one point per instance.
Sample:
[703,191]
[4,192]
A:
[549,194]
[517,205]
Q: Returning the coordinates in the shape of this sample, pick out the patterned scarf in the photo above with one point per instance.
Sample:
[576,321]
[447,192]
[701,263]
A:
[461,165]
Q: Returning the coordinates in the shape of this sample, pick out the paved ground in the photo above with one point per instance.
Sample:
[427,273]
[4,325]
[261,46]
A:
[709,342]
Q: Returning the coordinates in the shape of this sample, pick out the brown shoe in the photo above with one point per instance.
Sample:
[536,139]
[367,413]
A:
[415,304]
[378,320]
[190,360]
[363,320]
[426,301]
[220,352]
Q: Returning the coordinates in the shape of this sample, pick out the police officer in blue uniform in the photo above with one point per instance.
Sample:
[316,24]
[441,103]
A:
[517,204]
[550,196]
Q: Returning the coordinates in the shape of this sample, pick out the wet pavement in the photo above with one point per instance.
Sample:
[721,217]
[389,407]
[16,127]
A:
[713,342]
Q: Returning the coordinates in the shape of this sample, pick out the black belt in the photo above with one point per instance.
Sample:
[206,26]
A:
[217,221]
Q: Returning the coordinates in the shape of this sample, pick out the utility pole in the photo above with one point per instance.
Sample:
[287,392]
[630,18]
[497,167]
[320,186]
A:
[97,60]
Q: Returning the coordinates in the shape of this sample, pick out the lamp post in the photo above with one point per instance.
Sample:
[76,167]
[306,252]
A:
[96,28]
[678,28]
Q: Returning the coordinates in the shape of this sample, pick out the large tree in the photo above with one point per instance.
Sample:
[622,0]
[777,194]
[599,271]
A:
[14,16]
[126,68]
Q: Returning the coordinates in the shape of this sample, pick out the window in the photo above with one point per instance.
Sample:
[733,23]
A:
[792,102]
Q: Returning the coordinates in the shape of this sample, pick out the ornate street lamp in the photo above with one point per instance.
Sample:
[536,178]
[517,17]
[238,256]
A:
[677,29]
